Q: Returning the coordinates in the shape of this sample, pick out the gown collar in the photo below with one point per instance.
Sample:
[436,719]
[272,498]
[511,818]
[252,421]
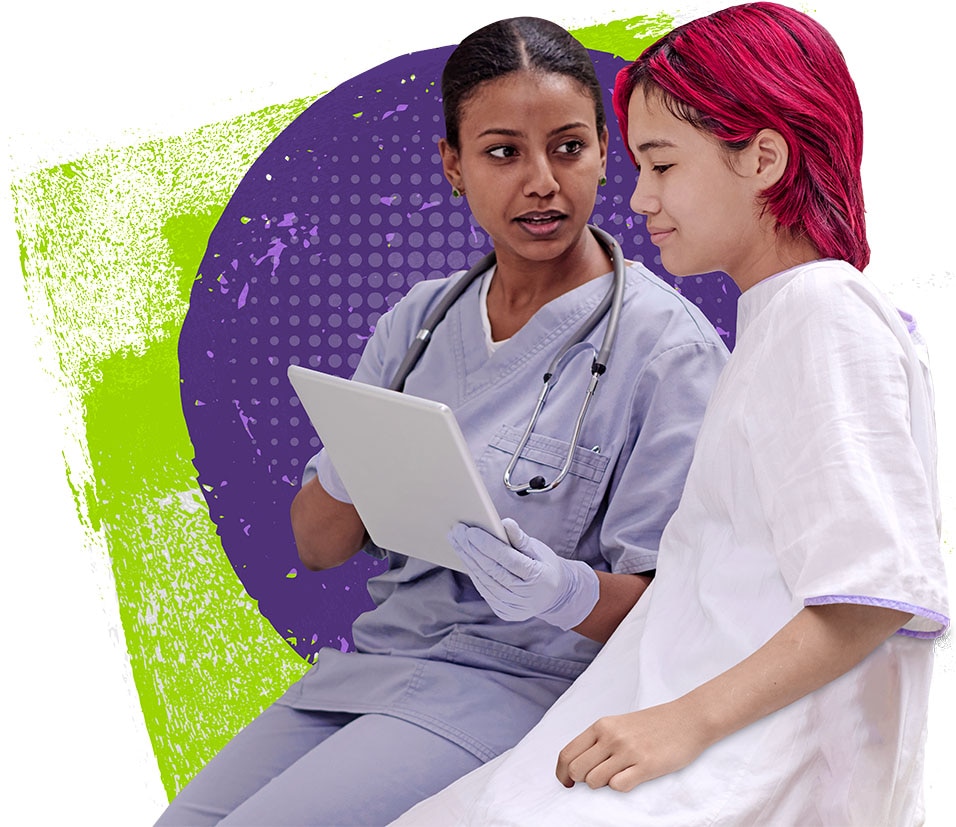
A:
[753,301]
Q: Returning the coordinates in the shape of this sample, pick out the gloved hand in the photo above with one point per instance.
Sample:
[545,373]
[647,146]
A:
[526,579]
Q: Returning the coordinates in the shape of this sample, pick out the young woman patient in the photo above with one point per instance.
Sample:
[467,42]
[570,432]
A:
[777,670]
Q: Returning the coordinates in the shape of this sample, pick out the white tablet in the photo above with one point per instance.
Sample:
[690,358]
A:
[403,461]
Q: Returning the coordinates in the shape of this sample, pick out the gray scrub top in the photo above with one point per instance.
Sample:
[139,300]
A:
[432,651]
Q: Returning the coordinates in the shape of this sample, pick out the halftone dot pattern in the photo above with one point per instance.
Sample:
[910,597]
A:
[337,219]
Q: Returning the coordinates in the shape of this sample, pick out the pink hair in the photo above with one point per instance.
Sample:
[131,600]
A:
[765,66]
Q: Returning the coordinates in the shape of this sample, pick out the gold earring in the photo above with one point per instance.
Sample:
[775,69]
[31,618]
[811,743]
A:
[456,193]
[602,181]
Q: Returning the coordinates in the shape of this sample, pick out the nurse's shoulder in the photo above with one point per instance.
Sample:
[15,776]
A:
[404,317]
[667,318]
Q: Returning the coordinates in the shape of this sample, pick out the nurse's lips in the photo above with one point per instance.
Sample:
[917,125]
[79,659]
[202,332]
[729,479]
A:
[541,223]
[658,235]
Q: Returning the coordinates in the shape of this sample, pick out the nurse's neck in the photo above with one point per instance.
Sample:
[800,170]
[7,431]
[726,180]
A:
[521,285]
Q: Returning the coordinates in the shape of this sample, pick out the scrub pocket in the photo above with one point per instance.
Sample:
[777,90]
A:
[503,658]
[557,517]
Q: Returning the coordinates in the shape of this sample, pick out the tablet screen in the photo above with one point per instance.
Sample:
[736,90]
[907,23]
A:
[403,461]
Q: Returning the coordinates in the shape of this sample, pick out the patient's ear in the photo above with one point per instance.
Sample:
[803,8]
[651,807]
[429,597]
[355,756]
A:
[767,157]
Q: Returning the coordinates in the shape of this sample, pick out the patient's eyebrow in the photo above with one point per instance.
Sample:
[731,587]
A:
[657,143]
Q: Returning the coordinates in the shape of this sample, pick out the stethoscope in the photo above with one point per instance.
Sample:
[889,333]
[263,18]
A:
[611,305]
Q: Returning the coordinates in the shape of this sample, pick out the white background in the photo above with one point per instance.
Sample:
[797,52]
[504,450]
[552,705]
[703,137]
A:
[82,76]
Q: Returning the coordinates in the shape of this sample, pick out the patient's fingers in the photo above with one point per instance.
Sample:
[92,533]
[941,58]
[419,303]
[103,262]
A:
[597,765]
[572,764]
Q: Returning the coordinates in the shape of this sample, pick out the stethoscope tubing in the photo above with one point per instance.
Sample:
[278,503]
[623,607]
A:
[432,320]
[611,306]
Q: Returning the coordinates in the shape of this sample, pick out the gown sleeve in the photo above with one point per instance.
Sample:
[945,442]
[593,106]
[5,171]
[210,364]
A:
[843,447]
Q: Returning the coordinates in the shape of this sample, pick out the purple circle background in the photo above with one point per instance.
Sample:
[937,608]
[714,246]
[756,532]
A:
[339,216]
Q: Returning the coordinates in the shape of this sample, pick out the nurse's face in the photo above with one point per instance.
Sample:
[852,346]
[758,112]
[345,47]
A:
[700,205]
[529,162]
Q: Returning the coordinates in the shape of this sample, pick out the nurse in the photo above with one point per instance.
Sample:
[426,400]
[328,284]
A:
[439,682]
[777,669]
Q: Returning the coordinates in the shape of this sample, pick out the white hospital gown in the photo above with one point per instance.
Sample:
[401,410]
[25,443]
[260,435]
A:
[813,481]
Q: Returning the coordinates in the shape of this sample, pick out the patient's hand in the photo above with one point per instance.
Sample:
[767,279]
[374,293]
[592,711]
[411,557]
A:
[622,751]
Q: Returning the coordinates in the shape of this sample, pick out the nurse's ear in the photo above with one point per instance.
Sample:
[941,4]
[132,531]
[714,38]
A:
[605,137]
[451,166]
[765,158]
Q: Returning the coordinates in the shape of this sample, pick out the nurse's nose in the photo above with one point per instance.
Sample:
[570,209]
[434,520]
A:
[540,180]
[643,200]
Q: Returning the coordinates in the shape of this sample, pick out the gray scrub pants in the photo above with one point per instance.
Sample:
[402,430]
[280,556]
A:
[299,767]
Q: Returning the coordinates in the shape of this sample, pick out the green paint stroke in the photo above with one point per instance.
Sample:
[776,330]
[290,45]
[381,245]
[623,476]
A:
[625,38]
[110,245]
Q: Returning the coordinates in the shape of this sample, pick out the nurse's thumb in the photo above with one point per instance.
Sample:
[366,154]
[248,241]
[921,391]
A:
[516,535]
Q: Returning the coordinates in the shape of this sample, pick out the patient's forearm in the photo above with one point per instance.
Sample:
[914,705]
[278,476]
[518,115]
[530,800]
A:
[818,645]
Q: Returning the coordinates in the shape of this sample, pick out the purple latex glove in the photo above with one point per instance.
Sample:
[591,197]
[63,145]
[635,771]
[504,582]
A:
[526,579]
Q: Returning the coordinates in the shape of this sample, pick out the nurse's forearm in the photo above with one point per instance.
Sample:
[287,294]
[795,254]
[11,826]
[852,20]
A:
[327,531]
[619,593]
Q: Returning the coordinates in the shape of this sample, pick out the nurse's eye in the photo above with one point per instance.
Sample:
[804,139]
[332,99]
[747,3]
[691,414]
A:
[502,152]
[572,147]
